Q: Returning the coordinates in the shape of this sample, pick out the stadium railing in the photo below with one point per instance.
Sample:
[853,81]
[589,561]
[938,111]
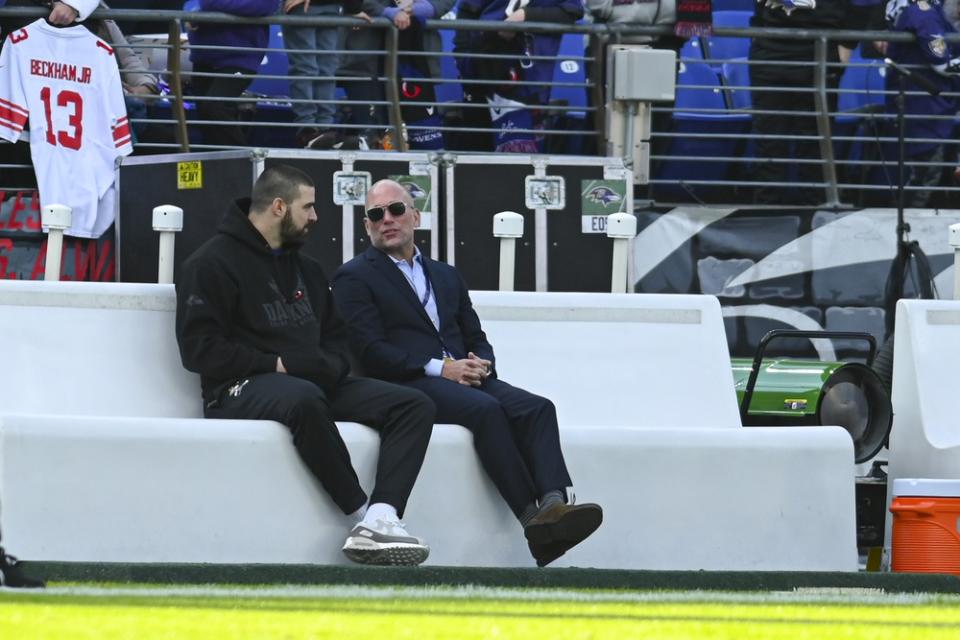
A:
[702,147]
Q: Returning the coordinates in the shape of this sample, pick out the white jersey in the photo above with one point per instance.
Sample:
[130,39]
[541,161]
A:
[63,86]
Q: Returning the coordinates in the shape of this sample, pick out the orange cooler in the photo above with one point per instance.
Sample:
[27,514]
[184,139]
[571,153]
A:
[926,526]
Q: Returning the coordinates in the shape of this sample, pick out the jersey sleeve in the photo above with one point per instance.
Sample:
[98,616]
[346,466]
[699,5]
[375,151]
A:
[929,27]
[13,102]
[117,109]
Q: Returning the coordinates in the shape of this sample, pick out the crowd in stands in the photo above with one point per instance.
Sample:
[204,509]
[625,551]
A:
[507,116]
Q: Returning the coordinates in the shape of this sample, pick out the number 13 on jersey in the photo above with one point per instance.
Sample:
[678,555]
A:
[72,138]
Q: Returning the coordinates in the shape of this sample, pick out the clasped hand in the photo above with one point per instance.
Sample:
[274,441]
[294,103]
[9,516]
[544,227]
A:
[470,371]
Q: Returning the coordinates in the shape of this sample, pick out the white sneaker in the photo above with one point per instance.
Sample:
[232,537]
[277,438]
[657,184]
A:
[385,542]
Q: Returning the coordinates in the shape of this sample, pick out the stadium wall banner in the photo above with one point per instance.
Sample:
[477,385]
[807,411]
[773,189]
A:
[23,245]
[788,270]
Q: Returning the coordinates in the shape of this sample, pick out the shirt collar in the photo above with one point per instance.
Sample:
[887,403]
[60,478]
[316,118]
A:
[417,257]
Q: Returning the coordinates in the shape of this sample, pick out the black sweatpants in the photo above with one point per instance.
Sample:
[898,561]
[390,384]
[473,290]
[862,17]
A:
[515,435]
[404,417]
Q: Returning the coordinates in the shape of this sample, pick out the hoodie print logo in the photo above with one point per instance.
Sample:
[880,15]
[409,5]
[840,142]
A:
[280,313]
[237,389]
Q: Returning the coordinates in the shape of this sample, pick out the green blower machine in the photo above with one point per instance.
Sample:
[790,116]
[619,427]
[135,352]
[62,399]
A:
[799,391]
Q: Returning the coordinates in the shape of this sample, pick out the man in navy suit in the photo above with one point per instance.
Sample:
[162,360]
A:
[410,321]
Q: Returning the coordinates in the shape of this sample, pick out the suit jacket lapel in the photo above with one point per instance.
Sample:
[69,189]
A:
[383,263]
[439,293]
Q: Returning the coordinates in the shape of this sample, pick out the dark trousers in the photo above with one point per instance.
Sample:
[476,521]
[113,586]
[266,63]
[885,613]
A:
[227,86]
[788,120]
[404,417]
[514,433]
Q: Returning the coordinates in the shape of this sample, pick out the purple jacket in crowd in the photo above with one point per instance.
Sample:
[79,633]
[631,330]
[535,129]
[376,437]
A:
[540,44]
[235,35]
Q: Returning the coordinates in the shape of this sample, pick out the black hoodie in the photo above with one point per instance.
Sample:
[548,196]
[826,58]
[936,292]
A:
[240,305]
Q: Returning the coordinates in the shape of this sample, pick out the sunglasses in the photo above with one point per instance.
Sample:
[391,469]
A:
[395,208]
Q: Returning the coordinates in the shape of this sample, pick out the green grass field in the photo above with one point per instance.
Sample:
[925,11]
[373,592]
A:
[111,611]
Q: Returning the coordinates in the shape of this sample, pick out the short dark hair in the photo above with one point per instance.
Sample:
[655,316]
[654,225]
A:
[281,181]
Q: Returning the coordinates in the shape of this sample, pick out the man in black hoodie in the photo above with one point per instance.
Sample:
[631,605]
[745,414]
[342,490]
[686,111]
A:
[256,320]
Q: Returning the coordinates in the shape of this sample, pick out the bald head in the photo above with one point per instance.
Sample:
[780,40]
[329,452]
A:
[390,190]
[392,230]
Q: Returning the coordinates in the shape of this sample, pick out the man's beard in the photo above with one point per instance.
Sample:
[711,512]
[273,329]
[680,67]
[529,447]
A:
[290,234]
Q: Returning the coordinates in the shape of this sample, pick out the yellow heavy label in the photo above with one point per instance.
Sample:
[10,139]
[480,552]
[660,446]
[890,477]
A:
[190,175]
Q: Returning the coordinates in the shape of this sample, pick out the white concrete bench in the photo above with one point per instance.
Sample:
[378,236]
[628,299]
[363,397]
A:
[925,438]
[103,456]
[616,359]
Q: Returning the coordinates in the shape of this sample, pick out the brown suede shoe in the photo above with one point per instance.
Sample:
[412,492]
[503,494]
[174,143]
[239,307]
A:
[544,554]
[567,523]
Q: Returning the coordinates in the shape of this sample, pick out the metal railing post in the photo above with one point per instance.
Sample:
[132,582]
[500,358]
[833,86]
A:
[392,90]
[598,50]
[176,85]
[823,121]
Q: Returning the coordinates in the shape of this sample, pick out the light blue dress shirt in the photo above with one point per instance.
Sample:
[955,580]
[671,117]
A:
[417,277]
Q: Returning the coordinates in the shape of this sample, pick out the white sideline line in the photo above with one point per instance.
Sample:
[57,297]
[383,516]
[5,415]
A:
[820,595]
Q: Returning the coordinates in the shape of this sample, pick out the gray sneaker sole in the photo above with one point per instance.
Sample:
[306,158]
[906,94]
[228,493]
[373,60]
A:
[364,551]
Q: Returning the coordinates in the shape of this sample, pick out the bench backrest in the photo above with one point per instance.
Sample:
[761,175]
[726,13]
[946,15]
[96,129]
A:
[87,348]
[926,373]
[606,359]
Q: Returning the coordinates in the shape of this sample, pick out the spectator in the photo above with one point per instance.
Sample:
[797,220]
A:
[951,9]
[138,82]
[62,14]
[255,319]
[937,61]
[313,70]
[230,70]
[634,12]
[411,321]
[784,90]
[509,104]
[146,25]
[360,70]
[637,12]
[421,117]
[417,97]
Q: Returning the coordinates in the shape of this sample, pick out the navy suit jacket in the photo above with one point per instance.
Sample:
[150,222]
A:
[390,332]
